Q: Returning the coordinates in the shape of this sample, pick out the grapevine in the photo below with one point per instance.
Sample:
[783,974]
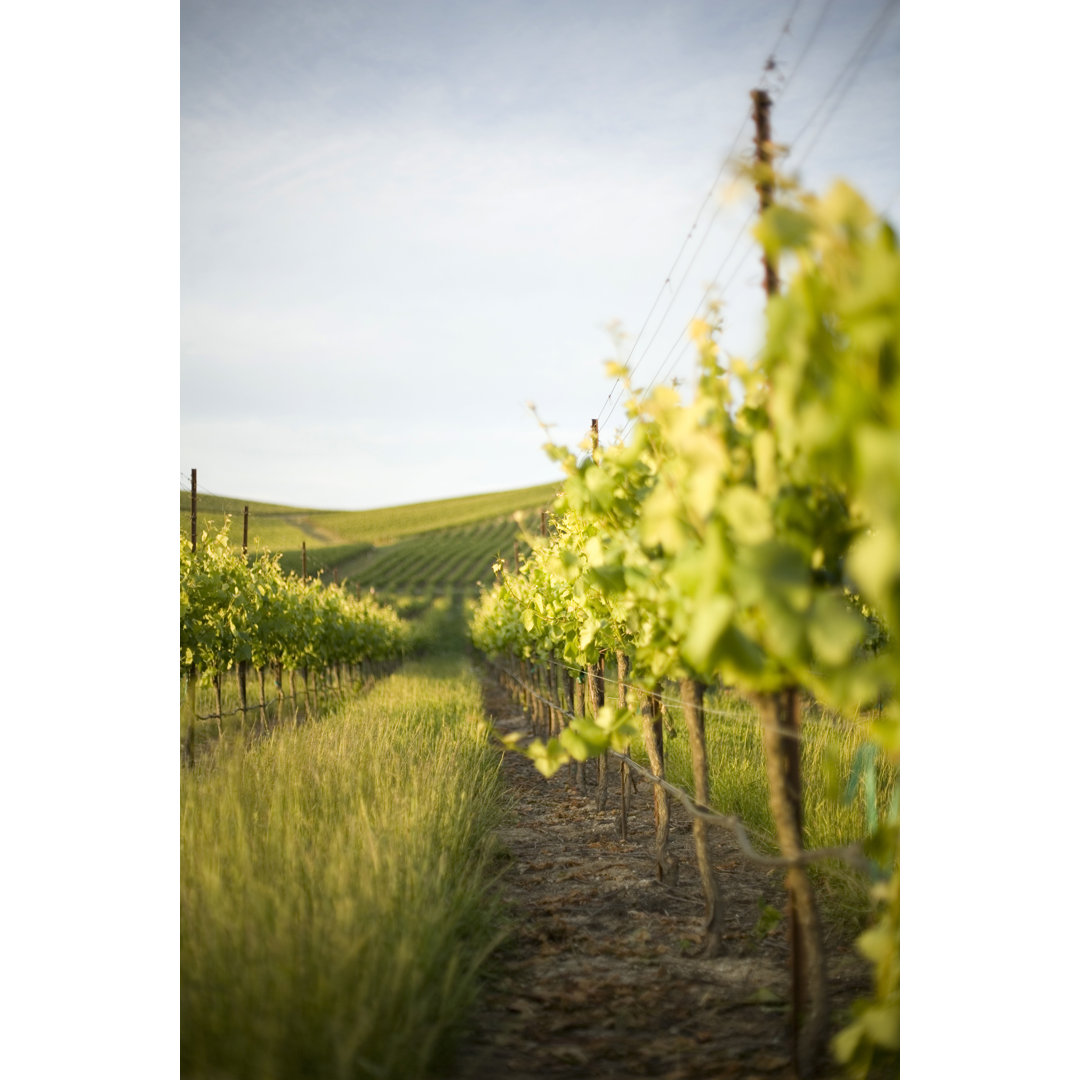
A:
[749,537]
[236,611]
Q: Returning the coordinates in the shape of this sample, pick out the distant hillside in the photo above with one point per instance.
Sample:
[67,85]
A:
[446,543]
[454,558]
[283,528]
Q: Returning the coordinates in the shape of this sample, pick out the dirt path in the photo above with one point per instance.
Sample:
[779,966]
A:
[601,979]
[309,529]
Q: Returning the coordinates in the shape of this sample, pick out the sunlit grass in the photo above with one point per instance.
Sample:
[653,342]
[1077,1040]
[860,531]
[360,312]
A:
[336,896]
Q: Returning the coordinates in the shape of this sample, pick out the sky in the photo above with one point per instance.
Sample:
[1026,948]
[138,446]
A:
[409,231]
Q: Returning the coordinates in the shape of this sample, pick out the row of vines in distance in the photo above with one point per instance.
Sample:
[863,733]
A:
[451,558]
[239,614]
[749,538]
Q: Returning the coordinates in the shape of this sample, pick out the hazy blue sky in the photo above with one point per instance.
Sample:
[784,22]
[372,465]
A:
[403,222]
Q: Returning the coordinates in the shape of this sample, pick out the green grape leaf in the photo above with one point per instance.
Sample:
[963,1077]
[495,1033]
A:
[548,757]
[834,631]
[703,644]
[782,228]
[574,744]
[747,513]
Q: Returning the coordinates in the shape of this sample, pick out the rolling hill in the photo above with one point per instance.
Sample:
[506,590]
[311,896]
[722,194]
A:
[420,547]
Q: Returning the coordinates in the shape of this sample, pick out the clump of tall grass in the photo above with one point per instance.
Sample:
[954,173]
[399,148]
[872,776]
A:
[335,887]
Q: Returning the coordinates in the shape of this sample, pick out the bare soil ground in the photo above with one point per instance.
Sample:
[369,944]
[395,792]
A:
[600,978]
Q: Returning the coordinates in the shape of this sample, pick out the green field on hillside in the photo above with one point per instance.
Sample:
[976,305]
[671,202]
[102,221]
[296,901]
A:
[284,528]
[454,558]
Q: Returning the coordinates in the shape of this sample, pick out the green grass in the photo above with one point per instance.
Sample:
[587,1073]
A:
[336,898]
[442,626]
[284,528]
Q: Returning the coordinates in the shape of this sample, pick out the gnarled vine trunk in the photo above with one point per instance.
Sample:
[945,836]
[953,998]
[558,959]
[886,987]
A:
[217,700]
[622,668]
[554,717]
[667,864]
[241,689]
[264,722]
[192,689]
[572,774]
[579,712]
[692,693]
[810,1004]
[596,703]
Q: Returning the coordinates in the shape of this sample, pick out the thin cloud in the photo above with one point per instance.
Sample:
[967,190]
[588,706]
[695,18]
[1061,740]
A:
[396,210]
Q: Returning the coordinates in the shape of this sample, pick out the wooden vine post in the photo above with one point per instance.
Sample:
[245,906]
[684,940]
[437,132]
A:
[781,737]
[194,508]
[765,186]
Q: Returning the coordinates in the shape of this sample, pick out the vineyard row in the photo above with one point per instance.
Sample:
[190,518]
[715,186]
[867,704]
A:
[243,615]
[748,538]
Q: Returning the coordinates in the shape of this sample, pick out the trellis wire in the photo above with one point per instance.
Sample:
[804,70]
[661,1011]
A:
[851,853]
